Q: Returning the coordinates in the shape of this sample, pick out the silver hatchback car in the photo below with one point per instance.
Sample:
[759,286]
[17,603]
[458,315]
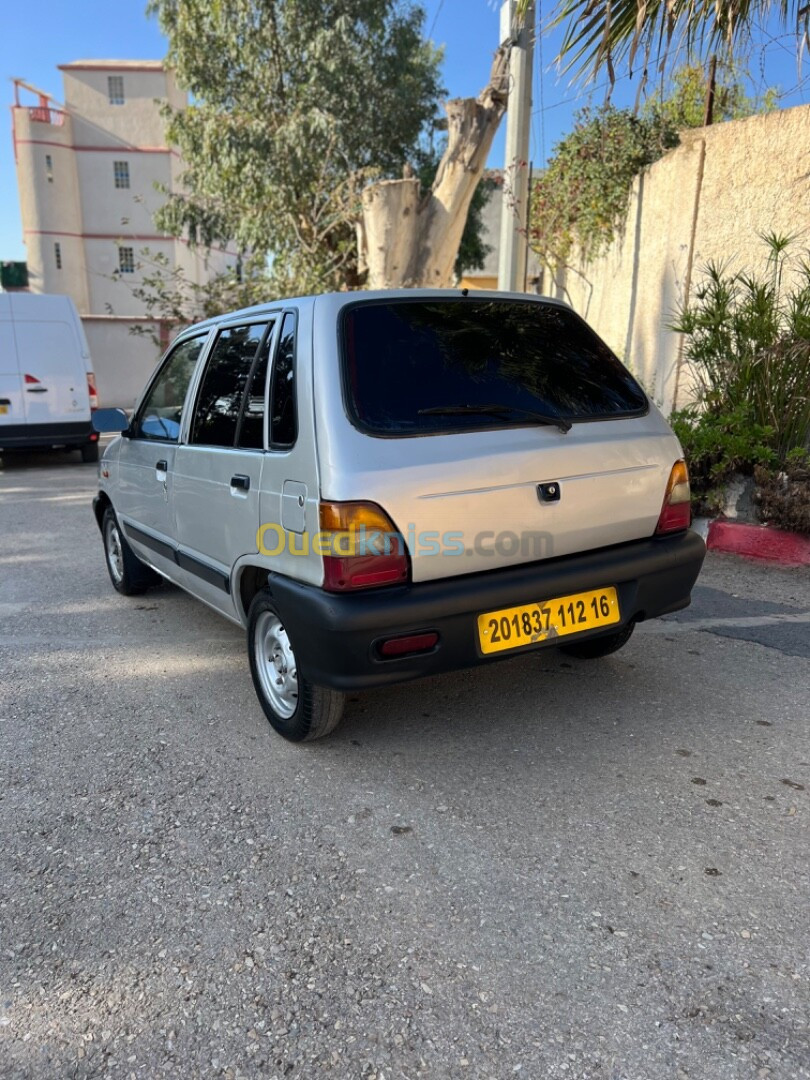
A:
[382,486]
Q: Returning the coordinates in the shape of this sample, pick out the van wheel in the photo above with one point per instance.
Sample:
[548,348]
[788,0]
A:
[296,709]
[90,451]
[127,573]
[603,645]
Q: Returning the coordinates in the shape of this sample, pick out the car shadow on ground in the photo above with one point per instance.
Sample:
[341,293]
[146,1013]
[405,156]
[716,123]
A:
[15,461]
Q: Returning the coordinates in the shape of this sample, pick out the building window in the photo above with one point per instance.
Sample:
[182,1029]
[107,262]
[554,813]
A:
[57,255]
[115,89]
[121,174]
[49,168]
[126,260]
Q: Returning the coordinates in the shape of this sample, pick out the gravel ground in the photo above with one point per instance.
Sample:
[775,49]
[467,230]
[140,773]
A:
[546,868]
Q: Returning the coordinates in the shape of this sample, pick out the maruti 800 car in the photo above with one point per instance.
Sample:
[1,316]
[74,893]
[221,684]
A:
[383,486]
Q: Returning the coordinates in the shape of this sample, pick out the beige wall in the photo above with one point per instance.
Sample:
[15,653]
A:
[113,210]
[50,210]
[82,210]
[706,200]
[98,122]
[122,361]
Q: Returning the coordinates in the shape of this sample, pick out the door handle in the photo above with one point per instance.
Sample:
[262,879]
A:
[162,465]
[241,481]
[37,390]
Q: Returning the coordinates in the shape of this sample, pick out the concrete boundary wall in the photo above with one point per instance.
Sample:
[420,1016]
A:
[706,200]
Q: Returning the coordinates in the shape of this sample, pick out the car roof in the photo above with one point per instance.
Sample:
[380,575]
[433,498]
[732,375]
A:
[341,299]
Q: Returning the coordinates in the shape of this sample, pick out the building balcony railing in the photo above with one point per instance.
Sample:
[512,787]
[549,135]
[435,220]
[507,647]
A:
[41,114]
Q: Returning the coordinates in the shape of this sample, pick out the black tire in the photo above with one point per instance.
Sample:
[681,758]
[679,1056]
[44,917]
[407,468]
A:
[596,647]
[128,574]
[89,452]
[297,709]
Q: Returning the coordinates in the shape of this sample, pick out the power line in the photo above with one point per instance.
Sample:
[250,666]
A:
[435,17]
[601,86]
[591,90]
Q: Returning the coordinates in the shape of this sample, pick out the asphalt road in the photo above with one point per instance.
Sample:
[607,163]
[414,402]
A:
[546,868]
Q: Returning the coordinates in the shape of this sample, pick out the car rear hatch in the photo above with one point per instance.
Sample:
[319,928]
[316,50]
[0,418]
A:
[494,432]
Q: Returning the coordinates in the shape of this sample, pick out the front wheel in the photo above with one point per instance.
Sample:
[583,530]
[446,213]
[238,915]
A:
[603,645]
[127,573]
[296,708]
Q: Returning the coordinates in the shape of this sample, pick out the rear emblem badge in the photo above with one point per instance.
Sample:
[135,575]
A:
[548,492]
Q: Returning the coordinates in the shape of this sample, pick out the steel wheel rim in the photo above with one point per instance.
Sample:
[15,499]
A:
[275,663]
[115,553]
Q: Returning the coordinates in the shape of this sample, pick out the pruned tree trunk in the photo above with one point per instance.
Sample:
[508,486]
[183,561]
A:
[411,240]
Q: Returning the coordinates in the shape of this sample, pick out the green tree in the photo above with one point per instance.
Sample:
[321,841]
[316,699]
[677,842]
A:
[683,103]
[172,301]
[295,106]
[600,34]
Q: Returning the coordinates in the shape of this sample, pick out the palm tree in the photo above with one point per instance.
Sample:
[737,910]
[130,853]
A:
[602,33]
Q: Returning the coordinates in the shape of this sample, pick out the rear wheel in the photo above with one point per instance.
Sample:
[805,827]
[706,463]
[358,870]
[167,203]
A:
[603,645]
[296,708]
[90,451]
[127,573]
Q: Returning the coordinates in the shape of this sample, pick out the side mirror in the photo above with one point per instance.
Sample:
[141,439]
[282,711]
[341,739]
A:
[109,420]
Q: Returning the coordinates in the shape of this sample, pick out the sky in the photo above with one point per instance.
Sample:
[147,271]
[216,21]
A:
[34,42]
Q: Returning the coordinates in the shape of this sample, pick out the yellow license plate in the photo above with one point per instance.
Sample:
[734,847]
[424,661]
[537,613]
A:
[526,625]
[3,410]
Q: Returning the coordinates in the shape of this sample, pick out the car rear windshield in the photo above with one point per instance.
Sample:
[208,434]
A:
[406,356]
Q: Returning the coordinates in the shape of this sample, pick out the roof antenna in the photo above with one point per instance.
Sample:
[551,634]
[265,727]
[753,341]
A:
[464,292]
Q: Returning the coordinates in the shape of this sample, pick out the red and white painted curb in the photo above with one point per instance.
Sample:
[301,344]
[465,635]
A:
[760,542]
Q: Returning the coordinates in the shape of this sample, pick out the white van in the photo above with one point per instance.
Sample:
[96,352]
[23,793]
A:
[381,486]
[47,385]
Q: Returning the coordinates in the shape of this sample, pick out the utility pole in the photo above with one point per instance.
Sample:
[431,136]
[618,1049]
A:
[708,114]
[514,209]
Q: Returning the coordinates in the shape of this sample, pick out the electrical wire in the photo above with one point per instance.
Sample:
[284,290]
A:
[435,18]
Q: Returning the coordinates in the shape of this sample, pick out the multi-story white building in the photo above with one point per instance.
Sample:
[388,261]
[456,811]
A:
[88,172]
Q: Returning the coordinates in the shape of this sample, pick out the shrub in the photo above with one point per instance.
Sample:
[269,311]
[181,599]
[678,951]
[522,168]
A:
[717,445]
[581,197]
[748,344]
[784,497]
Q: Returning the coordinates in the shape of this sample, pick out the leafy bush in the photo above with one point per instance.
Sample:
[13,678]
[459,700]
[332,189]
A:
[717,445]
[582,195]
[784,497]
[748,345]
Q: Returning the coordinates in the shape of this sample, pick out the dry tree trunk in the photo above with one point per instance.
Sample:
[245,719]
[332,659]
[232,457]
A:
[411,240]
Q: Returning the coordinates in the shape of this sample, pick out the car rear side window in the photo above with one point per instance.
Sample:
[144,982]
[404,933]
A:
[219,399]
[283,411]
[406,361]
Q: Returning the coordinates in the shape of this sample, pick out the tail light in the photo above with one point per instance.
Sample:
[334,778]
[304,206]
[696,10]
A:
[365,550]
[676,513]
[92,391]
[30,380]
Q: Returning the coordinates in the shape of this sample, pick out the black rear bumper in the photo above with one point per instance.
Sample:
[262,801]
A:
[335,635]
[42,436]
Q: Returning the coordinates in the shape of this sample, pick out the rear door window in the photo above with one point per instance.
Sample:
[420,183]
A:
[219,400]
[406,361]
[283,411]
[251,430]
